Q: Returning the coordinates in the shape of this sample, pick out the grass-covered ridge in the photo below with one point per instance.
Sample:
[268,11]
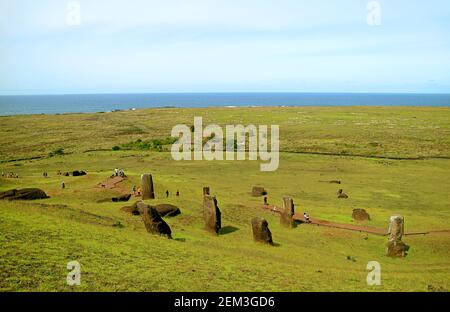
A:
[39,238]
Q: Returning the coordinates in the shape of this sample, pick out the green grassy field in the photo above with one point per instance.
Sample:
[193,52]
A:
[390,161]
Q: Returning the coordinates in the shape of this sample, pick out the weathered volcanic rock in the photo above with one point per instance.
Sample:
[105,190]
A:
[123,198]
[167,210]
[261,232]
[24,194]
[77,173]
[287,213]
[211,214]
[148,191]
[395,246]
[258,191]
[360,215]
[154,223]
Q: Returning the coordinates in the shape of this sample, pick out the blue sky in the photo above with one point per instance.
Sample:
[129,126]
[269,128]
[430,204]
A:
[224,46]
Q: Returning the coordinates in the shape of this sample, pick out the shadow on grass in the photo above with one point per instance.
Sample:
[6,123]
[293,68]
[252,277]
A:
[179,239]
[227,230]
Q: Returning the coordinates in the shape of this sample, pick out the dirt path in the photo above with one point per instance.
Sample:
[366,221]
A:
[111,183]
[350,227]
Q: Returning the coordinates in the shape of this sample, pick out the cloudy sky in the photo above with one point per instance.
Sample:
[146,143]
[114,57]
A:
[224,46]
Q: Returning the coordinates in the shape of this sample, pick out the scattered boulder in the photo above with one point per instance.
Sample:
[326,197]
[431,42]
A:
[65,174]
[287,213]
[258,191]
[148,191]
[261,232]
[77,173]
[154,223]
[211,214]
[395,246]
[123,198]
[360,215]
[167,210]
[24,194]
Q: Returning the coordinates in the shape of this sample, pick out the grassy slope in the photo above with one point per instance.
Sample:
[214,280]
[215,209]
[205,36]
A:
[38,241]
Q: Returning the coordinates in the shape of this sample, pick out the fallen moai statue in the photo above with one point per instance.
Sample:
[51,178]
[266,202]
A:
[261,232]
[154,223]
[395,246]
[123,198]
[287,213]
[24,194]
[163,209]
[77,173]
[211,214]
[258,191]
[360,215]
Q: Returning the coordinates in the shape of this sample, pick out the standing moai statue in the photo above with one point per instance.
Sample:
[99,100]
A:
[206,190]
[261,232]
[395,246]
[147,187]
[211,214]
[287,213]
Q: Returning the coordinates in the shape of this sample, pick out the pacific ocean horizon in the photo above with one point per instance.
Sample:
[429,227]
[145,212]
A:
[89,103]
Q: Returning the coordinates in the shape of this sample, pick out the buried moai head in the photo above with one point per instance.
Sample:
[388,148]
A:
[261,232]
[153,221]
[147,187]
[211,214]
[395,246]
[206,190]
[287,213]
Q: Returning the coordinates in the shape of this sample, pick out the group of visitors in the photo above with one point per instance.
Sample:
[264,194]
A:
[10,175]
[119,173]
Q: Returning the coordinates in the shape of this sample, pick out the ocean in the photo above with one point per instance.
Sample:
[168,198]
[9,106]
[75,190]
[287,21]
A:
[84,103]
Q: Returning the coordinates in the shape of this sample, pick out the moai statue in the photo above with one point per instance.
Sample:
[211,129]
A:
[261,232]
[206,190]
[395,246]
[211,214]
[153,222]
[287,213]
[147,187]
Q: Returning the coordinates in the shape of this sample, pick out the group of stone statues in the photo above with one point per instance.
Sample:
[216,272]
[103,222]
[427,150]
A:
[212,216]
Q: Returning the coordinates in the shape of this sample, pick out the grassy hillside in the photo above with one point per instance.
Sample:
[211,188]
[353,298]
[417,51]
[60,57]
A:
[39,238]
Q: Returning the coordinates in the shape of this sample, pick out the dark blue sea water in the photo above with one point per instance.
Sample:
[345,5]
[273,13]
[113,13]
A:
[56,104]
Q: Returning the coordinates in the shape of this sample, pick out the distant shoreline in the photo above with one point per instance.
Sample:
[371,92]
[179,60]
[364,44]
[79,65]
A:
[96,103]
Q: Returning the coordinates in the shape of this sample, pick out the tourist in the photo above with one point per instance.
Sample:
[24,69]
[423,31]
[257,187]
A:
[178,193]
[167,193]
[306,217]
[265,201]
[63,185]
[134,190]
